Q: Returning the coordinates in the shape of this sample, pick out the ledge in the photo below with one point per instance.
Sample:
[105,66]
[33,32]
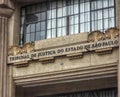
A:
[65,76]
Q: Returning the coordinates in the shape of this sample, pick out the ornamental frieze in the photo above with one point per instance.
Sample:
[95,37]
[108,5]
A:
[99,42]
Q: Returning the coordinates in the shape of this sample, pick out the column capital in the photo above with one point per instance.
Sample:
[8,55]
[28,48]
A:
[6,12]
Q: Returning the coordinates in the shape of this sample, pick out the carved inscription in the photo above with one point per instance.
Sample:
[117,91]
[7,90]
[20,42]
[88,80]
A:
[80,48]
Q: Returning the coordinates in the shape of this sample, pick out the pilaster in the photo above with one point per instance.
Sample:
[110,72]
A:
[5,13]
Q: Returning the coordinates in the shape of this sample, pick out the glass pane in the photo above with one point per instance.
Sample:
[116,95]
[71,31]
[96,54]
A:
[53,23]
[105,13]
[94,15]
[28,28]
[32,37]
[37,26]
[48,33]
[81,7]
[82,28]
[76,17]
[32,27]
[100,25]
[49,23]
[76,1]
[64,11]
[54,13]
[43,15]
[33,9]
[87,16]
[70,11]
[94,5]
[81,1]
[59,4]
[49,14]
[71,29]
[59,12]
[59,30]
[76,8]
[27,38]
[93,25]
[22,20]
[71,20]
[54,4]
[105,3]
[44,7]
[37,17]
[31,18]
[21,30]
[37,35]
[111,22]
[105,24]
[111,12]
[23,11]
[42,36]
[59,22]
[87,27]
[53,33]
[87,6]
[76,29]
[38,8]
[99,4]
[82,18]
[43,26]
[64,22]
[100,14]
[111,2]
[64,31]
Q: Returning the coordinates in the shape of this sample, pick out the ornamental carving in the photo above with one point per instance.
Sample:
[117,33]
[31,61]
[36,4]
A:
[96,36]
[111,33]
[14,50]
[28,48]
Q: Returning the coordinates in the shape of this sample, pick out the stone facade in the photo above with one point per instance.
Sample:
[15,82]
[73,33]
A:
[74,72]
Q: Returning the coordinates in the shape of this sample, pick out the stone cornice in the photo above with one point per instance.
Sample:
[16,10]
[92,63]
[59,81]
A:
[6,12]
[78,74]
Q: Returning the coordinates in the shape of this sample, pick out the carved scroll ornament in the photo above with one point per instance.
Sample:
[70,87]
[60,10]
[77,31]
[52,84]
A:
[16,49]
[96,36]
[28,48]
[111,33]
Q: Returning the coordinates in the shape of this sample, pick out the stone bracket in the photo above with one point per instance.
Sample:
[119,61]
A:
[47,60]
[21,64]
[75,56]
[104,51]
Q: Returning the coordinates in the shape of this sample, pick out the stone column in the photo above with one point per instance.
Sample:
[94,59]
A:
[5,13]
[118,20]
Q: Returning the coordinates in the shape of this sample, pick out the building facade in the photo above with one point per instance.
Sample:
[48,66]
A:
[60,48]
